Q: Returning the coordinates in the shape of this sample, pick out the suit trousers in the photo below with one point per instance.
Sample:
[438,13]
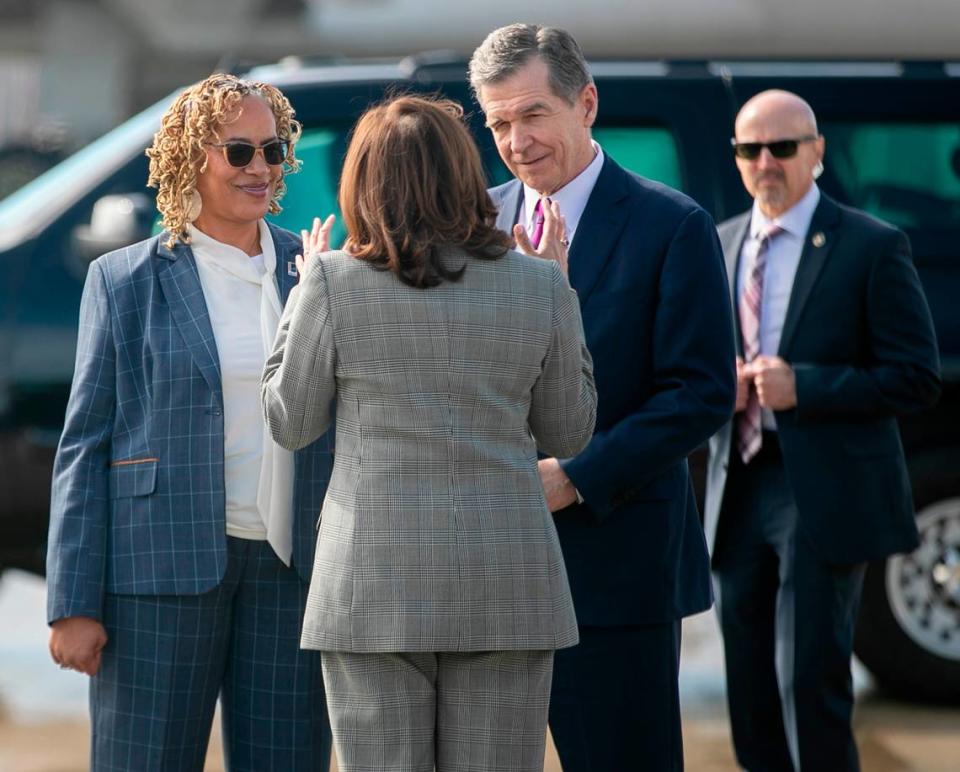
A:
[787,619]
[453,711]
[169,657]
[615,703]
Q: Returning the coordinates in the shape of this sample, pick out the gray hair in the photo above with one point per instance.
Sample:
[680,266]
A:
[508,49]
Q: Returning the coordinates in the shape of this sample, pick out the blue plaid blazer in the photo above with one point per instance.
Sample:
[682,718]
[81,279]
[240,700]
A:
[138,483]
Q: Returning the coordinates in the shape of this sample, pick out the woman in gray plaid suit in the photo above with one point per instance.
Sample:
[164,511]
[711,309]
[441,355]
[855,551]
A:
[438,592]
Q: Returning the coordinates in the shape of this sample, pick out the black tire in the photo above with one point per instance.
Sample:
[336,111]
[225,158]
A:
[908,630]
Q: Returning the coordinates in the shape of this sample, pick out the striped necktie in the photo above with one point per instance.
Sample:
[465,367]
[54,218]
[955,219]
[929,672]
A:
[749,422]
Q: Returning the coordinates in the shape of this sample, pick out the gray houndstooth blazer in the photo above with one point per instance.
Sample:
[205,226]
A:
[435,534]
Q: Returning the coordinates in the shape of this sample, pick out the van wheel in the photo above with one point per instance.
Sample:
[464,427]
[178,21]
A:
[908,630]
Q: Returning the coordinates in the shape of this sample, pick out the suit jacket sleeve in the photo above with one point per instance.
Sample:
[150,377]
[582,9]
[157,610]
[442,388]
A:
[299,382]
[563,407]
[903,370]
[692,372]
[79,512]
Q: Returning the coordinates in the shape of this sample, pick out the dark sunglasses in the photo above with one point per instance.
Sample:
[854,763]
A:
[240,154]
[780,148]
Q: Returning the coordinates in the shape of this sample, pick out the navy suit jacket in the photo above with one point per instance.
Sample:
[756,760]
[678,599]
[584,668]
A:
[859,336]
[138,502]
[647,266]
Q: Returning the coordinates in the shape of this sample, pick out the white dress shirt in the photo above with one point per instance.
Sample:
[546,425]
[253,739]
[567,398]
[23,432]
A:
[783,257]
[572,197]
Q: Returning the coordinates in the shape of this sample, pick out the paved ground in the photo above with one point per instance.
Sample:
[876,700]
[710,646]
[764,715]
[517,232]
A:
[43,726]
[892,738]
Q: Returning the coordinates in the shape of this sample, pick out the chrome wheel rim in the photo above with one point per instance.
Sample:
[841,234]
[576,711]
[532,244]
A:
[924,586]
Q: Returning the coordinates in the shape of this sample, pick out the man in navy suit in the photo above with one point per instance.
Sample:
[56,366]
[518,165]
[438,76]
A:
[808,482]
[647,266]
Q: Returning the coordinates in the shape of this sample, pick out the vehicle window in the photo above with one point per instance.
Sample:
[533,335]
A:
[29,210]
[905,173]
[312,192]
[650,151]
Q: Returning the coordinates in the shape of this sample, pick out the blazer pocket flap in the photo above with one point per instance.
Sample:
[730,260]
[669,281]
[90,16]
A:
[133,478]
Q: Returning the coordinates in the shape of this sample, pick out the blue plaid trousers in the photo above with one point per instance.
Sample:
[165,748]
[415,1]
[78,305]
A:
[169,657]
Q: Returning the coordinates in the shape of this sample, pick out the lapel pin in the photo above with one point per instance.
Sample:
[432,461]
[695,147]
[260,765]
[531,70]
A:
[291,268]
[819,239]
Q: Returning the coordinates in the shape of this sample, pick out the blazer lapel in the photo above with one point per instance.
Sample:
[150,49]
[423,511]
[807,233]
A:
[181,287]
[508,199]
[819,241]
[732,245]
[600,227]
[287,247]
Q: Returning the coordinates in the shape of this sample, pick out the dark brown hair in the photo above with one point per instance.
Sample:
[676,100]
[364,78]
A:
[412,184]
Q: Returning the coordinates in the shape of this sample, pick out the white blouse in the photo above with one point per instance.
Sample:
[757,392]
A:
[243,303]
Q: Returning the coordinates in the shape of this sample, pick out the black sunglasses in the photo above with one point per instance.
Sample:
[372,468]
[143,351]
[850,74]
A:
[240,153]
[780,148]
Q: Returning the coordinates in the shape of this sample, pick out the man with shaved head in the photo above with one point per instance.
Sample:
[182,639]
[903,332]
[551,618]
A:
[808,482]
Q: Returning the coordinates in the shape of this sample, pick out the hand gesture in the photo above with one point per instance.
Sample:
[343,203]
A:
[76,644]
[553,243]
[315,241]
[775,382]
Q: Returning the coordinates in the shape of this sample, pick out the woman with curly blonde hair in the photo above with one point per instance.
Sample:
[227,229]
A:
[181,536]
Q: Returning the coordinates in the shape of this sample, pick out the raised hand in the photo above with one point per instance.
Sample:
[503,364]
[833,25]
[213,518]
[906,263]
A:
[553,243]
[315,241]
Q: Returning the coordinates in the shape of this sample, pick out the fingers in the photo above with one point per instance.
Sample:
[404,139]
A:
[316,236]
[317,239]
[300,263]
[554,226]
[766,393]
[523,240]
[767,362]
[91,665]
[76,643]
[323,234]
[549,216]
[559,223]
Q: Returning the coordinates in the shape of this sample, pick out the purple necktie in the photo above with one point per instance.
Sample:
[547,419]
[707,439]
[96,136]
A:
[537,232]
[749,422]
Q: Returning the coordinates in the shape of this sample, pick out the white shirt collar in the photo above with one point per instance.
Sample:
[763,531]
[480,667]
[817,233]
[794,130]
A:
[232,259]
[572,197]
[795,221]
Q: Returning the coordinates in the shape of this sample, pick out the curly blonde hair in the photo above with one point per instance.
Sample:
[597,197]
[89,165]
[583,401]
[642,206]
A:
[178,154]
